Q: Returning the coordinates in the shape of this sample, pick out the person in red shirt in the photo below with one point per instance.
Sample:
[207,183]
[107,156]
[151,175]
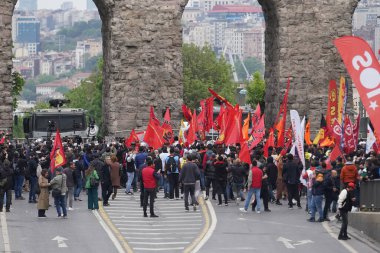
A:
[254,183]
[149,180]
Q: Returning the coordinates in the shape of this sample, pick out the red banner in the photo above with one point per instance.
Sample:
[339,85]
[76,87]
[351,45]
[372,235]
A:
[281,118]
[233,130]
[220,98]
[363,67]
[256,117]
[332,105]
[167,127]
[132,138]
[257,133]
[209,113]
[349,142]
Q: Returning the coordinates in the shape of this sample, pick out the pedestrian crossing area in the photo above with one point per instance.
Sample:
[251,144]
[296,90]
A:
[173,231]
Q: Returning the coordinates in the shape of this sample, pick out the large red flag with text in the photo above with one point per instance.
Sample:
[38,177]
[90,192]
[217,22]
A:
[166,126]
[364,69]
[257,133]
[57,154]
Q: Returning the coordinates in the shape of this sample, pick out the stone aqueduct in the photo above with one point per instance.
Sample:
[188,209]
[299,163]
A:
[143,62]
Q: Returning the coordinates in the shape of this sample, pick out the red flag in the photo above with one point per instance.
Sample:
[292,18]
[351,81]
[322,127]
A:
[332,105]
[245,128]
[218,121]
[192,132]
[186,113]
[363,67]
[222,99]
[281,118]
[201,118]
[337,131]
[132,138]
[244,154]
[57,154]
[209,115]
[257,134]
[256,117]
[2,140]
[269,143]
[289,137]
[349,142]
[335,153]
[233,130]
[154,132]
[168,130]
[355,132]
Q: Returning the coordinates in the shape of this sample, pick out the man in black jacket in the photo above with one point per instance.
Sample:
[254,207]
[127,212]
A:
[291,175]
[106,183]
[188,175]
[6,175]
[33,180]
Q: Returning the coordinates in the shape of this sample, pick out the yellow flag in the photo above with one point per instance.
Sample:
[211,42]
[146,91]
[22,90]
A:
[320,136]
[342,88]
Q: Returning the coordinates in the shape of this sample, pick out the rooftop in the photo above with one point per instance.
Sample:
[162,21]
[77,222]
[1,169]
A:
[236,9]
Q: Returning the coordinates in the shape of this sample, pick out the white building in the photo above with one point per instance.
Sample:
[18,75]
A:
[86,49]
[201,35]
[209,4]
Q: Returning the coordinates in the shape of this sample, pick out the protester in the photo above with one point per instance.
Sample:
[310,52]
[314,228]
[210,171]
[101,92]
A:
[189,175]
[220,166]
[59,189]
[115,174]
[172,171]
[69,172]
[92,183]
[149,177]
[43,197]
[318,190]
[6,183]
[291,174]
[254,185]
[345,202]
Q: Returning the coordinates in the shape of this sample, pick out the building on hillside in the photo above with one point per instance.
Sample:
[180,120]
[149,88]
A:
[235,12]
[201,35]
[191,14]
[85,50]
[67,5]
[254,43]
[209,4]
[27,5]
[26,32]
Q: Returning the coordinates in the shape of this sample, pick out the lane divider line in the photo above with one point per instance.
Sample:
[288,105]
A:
[116,237]
[4,230]
[208,229]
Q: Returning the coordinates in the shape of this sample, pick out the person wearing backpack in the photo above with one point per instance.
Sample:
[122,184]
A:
[172,171]
[92,183]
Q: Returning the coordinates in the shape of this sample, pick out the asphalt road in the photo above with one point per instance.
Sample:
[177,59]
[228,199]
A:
[29,234]
[281,230]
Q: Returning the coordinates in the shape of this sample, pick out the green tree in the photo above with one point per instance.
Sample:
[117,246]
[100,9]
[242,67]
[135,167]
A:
[17,129]
[45,79]
[256,91]
[88,95]
[201,70]
[17,85]
[62,89]
[251,63]
[42,105]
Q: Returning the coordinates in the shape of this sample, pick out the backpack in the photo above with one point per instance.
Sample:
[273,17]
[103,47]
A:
[171,164]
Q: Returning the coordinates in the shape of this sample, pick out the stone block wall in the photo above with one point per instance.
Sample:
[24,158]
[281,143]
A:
[299,44]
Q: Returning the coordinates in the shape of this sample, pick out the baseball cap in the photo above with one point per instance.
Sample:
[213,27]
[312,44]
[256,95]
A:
[352,185]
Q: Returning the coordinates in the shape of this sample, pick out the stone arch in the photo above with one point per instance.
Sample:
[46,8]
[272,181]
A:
[299,44]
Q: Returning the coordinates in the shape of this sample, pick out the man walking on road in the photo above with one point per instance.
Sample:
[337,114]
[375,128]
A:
[345,202]
[254,183]
[189,174]
[149,179]
[291,174]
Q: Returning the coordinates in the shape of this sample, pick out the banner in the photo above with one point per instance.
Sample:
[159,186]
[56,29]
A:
[245,128]
[269,143]
[57,154]
[233,130]
[186,113]
[363,67]
[244,154]
[154,134]
[307,134]
[341,97]
[349,142]
[209,114]
[167,127]
[332,106]
[132,138]
[298,135]
[256,117]
[192,132]
[371,139]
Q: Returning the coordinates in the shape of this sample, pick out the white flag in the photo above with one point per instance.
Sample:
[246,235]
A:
[297,130]
[371,139]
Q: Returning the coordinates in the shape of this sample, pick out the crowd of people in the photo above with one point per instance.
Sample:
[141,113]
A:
[102,169]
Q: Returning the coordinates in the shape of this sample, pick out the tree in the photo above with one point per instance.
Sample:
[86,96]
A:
[256,91]
[45,79]
[62,89]
[17,85]
[201,70]
[251,63]
[88,95]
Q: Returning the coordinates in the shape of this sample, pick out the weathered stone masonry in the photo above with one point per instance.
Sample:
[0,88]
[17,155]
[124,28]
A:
[143,62]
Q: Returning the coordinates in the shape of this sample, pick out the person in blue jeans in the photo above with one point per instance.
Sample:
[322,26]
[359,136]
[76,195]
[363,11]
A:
[59,183]
[318,190]
[131,168]
[254,184]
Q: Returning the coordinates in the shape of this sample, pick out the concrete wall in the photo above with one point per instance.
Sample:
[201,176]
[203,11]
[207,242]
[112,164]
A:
[367,222]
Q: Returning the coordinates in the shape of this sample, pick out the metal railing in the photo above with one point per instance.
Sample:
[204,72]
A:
[370,195]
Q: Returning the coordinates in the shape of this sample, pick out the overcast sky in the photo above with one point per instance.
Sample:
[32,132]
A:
[55,4]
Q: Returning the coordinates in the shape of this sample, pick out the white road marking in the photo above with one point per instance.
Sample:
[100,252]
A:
[159,249]
[211,230]
[159,225]
[331,233]
[166,233]
[286,242]
[160,243]
[4,230]
[109,233]
[60,241]
[145,221]
[155,238]
[158,229]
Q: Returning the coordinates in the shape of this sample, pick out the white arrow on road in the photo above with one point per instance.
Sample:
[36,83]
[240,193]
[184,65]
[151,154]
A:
[61,241]
[286,242]
[289,245]
[302,242]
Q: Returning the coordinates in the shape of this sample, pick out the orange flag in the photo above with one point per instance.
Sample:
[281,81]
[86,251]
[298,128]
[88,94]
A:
[246,128]
[57,154]
[307,134]
[281,118]
[269,143]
